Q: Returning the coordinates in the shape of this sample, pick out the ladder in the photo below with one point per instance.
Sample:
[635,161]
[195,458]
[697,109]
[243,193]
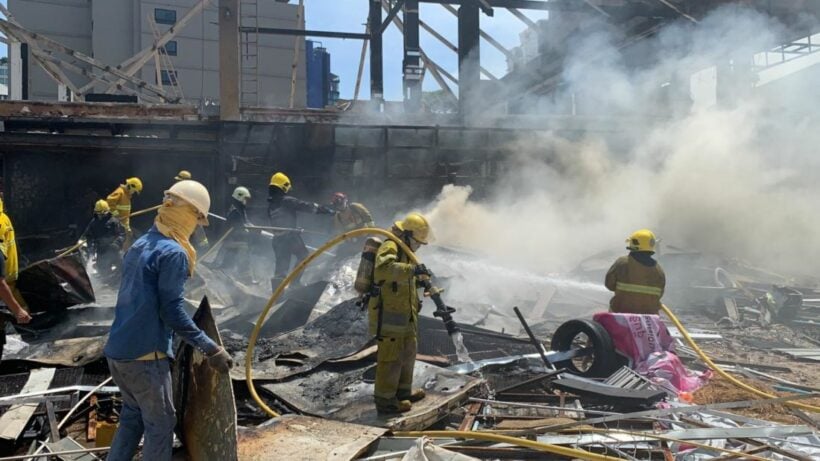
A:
[249,69]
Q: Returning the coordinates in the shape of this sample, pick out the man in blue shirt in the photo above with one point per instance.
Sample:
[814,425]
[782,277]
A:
[149,311]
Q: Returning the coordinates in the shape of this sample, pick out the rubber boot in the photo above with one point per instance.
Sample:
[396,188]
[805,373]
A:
[415,396]
[403,407]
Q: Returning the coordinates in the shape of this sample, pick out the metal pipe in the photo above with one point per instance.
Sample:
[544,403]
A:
[533,340]
[57,453]
[77,405]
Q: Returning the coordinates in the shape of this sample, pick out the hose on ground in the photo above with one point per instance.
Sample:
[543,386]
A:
[545,447]
[725,375]
[293,274]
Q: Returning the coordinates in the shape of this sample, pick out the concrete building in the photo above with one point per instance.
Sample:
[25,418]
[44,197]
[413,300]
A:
[114,30]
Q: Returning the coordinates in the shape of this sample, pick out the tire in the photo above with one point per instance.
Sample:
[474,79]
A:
[605,360]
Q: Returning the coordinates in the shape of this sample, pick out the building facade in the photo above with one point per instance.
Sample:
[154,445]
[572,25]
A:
[114,30]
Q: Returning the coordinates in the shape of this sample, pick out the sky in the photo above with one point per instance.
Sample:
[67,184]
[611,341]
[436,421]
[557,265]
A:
[351,15]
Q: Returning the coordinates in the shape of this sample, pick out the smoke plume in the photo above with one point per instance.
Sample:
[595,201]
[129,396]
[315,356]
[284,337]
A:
[734,179]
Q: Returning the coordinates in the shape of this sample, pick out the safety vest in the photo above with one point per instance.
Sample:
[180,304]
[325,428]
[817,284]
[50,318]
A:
[393,312]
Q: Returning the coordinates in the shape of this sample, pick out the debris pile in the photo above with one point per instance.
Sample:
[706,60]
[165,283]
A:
[539,385]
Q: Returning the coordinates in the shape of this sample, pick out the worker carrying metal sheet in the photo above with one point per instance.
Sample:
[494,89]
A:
[149,311]
[282,211]
[105,236]
[349,216]
[637,279]
[393,315]
[8,276]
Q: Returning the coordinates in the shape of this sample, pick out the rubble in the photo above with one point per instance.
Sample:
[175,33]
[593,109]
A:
[315,364]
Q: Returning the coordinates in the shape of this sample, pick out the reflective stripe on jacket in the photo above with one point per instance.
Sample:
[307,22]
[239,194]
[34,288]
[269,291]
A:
[394,313]
[638,282]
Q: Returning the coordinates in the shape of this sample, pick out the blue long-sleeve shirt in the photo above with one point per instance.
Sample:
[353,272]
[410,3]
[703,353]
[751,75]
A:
[150,301]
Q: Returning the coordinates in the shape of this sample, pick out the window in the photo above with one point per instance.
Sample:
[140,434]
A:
[163,16]
[169,77]
[171,48]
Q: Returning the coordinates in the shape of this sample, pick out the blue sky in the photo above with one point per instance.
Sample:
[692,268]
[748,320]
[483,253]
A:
[350,16]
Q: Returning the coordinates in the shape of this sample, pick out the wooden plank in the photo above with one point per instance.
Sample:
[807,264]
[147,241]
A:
[14,421]
[52,422]
[305,437]
[91,432]
[469,418]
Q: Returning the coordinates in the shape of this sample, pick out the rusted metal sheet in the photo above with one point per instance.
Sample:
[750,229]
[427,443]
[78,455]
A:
[206,408]
[42,109]
[55,284]
[347,395]
[296,437]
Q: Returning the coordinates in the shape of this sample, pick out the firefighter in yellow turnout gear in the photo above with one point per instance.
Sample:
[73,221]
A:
[393,316]
[119,201]
[637,279]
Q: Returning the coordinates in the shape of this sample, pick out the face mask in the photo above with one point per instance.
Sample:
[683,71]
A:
[178,221]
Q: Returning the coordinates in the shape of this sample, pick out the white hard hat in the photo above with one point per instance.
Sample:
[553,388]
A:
[195,194]
[242,194]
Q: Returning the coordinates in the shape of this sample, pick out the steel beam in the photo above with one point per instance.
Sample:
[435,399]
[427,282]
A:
[553,5]
[469,57]
[376,64]
[229,73]
[302,32]
[413,71]
[391,13]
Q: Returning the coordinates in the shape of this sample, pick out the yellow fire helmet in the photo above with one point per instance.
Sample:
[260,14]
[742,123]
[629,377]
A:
[417,225]
[101,207]
[642,240]
[183,175]
[281,181]
[134,184]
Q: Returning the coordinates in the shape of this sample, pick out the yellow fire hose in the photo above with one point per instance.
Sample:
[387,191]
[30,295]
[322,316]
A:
[725,375]
[295,272]
[546,447]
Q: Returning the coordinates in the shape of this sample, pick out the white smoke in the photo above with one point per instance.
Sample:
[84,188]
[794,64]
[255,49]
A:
[734,180]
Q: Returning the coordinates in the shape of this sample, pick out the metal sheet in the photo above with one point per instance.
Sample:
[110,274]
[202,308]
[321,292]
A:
[206,408]
[344,395]
[55,284]
[72,352]
[16,418]
[711,433]
[296,437]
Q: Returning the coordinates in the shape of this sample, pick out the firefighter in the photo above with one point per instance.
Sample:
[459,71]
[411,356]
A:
[235,253]
[393,316]
[119,201]
[8,277]
[105,235]
[282,211]
[637,279]
[349,216]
